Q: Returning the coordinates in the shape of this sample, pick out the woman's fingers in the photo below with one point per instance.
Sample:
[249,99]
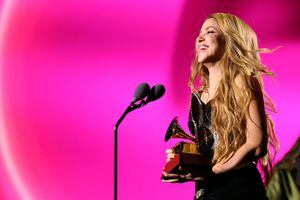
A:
[190,177]
[171,180]
[187,176]
[169,151]
[170,175]
[170,157]
[170,154]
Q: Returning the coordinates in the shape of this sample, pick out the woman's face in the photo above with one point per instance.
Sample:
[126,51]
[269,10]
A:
[210,42]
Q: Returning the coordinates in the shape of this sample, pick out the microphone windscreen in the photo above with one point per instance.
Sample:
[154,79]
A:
[156,92]
[141,92]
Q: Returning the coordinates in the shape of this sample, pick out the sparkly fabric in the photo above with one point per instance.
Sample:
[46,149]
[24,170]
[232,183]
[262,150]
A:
[200,125]
[244,183]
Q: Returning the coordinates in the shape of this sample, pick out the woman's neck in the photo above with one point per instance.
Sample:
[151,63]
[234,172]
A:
[215,73]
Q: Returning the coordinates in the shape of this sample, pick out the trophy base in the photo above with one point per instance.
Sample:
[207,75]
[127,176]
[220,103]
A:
[187,159]
[184,163]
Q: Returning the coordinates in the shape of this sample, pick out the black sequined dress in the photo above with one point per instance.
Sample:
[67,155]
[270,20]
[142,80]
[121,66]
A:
[238,184]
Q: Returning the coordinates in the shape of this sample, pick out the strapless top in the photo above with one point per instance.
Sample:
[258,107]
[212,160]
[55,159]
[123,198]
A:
[199,124]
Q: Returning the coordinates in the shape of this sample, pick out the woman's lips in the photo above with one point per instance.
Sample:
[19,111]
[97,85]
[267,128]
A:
[202,47]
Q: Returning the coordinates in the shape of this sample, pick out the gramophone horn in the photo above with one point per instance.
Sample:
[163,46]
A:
[175,131]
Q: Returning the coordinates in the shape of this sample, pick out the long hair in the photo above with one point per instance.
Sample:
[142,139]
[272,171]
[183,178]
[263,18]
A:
[231,103]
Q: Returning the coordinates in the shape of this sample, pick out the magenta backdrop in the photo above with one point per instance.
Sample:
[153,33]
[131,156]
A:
[69,69]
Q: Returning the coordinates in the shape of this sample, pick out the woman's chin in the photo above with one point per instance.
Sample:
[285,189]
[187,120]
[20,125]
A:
[208,59]
[201,60]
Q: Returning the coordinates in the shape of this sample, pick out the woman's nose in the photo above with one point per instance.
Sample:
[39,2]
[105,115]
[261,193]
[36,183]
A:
[200,38]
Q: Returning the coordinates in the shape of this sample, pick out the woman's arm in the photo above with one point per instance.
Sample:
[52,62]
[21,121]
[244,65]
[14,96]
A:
[253,142]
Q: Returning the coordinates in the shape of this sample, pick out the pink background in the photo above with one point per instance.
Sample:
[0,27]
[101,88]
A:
[69,70]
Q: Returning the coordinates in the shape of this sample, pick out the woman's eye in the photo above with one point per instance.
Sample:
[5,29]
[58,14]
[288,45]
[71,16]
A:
[210,31]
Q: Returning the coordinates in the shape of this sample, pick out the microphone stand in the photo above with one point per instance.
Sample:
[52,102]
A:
[128,110]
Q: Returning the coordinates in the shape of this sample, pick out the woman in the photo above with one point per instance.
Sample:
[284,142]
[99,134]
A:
[231,93]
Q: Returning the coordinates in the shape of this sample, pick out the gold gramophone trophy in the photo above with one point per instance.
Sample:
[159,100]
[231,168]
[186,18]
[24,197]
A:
[189,157]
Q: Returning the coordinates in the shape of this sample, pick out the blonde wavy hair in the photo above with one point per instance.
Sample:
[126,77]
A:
[231,102]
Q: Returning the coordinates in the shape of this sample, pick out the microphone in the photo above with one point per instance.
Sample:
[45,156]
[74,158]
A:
[140,92]
[155,93]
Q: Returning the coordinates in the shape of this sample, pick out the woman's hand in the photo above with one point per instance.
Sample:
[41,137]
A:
[172,178]
[220,168]
[169,177]
[176,178]
[170,154]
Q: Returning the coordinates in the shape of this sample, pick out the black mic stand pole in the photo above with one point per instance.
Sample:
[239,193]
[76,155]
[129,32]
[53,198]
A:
[128,110]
